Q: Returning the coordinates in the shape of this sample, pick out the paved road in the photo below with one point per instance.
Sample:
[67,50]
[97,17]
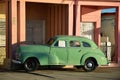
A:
[63,74]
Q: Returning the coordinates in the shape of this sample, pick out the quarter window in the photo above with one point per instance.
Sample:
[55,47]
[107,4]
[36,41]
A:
[85,44]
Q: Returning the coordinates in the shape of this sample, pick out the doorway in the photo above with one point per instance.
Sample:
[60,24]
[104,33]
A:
[108,34]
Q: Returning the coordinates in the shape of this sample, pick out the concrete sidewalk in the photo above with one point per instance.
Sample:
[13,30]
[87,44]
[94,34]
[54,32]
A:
[112,64]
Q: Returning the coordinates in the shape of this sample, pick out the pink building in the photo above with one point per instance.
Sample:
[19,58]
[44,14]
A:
[34,21]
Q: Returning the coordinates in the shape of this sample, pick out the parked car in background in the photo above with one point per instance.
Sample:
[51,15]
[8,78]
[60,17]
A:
[61,50]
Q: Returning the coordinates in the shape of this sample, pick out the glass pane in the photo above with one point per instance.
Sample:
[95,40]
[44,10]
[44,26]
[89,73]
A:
[85,44]
[74,44]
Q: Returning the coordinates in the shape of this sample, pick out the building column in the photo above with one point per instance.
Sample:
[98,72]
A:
[77,18]
[97,32]
[11,31]
[70,19]
[22,21]
[13,25]
[119,35]
[7,28]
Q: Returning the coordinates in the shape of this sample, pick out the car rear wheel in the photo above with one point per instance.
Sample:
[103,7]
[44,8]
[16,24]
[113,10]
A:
[30,65]
[89,65]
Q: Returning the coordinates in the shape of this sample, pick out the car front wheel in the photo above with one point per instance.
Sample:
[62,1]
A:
[30,65]
[89,65]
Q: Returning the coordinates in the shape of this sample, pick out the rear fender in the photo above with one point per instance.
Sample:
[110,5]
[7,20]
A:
[86,56]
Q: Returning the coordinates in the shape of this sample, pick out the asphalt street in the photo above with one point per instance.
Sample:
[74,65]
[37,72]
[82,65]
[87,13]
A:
[101,73]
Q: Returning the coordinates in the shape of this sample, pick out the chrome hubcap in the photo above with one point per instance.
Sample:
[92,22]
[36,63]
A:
[89,64]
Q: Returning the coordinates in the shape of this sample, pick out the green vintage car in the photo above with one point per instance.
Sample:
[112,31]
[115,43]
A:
[61,50]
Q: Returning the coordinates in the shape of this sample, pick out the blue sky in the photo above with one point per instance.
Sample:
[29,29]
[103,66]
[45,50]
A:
[111,10]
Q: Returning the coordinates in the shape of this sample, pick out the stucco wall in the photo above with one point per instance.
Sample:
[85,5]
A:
[90,14]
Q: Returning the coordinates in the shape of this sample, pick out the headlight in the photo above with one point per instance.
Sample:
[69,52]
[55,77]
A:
[18,55]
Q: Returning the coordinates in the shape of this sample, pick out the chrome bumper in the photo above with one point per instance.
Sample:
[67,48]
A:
[16,62]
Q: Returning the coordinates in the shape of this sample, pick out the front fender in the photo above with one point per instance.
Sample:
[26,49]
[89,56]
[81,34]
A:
[42,57]
[53,60]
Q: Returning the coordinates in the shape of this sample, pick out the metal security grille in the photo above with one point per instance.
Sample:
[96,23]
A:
[2,54]
[2,41]
[87,30]
[35,32]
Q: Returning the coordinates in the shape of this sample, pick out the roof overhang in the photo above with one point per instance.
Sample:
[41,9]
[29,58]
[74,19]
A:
[97,0]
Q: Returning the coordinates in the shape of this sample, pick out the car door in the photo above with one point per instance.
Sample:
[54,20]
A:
[59,52]
[75,52]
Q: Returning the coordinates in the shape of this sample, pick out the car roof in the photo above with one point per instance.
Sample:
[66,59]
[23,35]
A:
[67,37]
[70,37]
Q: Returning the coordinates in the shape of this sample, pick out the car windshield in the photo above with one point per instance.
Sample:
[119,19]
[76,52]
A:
[50,41]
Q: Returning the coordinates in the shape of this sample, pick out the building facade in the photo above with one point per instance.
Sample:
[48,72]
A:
[35,21]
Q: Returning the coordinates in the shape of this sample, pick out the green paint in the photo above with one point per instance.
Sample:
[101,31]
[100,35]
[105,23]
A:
[59,52]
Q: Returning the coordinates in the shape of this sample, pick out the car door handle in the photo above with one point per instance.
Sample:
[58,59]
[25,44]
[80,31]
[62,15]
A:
[79,50]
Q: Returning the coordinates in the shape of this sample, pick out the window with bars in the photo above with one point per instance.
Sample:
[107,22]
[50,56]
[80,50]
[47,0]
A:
[2,33]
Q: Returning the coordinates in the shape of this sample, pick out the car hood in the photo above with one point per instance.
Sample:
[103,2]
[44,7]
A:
[34,49]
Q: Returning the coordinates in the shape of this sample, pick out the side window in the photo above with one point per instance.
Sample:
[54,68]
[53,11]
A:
[60,43]
[74,44]
[85,44]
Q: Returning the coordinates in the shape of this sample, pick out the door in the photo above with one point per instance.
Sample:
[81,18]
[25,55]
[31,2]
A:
[87,30]
[75,52]
[59,51]
[35,32]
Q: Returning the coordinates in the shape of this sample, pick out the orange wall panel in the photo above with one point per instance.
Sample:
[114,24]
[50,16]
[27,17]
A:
[36,11]
[55,16]
[58,20]
[91,14]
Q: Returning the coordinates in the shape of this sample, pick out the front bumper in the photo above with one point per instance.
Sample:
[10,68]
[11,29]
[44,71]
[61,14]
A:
[16,61]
